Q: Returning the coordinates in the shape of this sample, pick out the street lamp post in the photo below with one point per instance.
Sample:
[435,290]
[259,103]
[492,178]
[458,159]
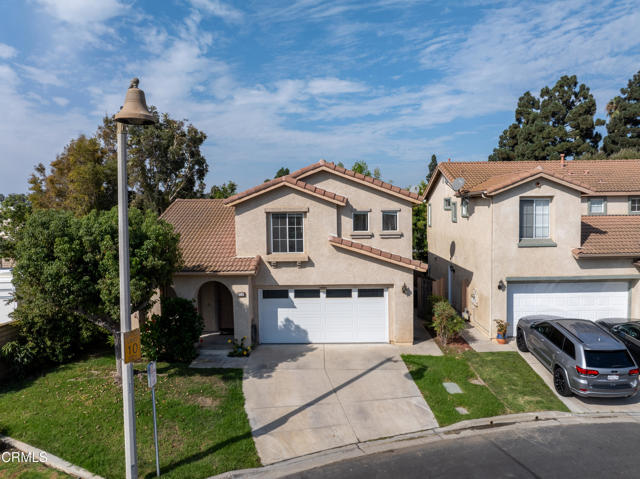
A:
[134,112]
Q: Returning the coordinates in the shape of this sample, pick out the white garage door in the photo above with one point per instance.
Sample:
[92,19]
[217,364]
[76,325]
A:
[6,290]
[339,315]
[585,300]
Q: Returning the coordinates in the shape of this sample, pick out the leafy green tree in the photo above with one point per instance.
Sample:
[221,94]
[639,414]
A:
[623,128]
[81,179]
[67,277]
[419,220]
[561,120]
[14,211]
[225,190]
[376,173]
[433,164]
[282,172]
[340,164]
[361,167]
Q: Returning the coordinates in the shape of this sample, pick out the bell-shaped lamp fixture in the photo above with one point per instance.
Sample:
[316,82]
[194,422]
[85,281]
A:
[135,111]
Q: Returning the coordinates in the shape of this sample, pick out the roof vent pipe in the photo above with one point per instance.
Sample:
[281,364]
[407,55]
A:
[562,163]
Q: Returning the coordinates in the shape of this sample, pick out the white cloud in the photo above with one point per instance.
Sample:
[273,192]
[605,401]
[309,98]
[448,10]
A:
[7,51]
[83,11]
[60,101]
[41,75]
[219,9]
[334,86]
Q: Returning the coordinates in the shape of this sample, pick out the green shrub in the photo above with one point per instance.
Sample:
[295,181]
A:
[172,335]
[446,321]
[432,300]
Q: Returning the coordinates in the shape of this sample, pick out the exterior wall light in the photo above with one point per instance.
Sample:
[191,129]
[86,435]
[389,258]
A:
[501,285]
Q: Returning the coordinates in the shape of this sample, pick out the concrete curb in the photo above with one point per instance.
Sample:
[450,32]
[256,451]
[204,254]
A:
[470,427]
[53,462]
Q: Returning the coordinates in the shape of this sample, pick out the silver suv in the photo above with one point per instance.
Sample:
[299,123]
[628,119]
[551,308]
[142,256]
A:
[585,360]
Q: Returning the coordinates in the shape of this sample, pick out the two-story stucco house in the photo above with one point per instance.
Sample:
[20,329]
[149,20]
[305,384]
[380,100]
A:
[320,255]
[519,238]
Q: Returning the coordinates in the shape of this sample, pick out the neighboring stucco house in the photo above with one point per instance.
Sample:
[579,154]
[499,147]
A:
[320,255]
[519,238]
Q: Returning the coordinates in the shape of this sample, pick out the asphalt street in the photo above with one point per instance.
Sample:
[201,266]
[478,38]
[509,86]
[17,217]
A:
[568,451]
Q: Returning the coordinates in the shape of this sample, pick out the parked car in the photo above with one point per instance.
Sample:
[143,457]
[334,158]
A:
[584,358]
[627,331]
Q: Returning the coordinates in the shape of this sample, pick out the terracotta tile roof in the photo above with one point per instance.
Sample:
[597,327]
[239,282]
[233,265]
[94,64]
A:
[290,182]
[599,176]
[609,235]
[377,253]
[359,177]
[207,237]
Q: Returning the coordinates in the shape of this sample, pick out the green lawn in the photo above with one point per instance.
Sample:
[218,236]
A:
[511,386]
[75,412]
[27,470]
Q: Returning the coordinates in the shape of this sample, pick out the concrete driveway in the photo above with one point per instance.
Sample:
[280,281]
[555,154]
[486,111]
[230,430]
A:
[307,398]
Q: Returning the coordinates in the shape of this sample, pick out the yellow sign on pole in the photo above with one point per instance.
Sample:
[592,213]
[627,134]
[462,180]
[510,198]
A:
[132,350]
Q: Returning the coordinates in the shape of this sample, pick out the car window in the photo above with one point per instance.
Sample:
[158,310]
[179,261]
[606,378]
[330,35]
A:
[569,348]
[608,359]
[543,328]
[556,337]
[630,330]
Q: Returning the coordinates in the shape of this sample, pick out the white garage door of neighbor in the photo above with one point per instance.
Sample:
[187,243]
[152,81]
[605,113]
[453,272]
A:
[585,300]
[334,315]
[6,289]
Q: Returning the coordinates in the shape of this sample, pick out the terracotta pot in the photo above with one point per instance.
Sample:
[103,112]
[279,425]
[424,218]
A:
[501,340]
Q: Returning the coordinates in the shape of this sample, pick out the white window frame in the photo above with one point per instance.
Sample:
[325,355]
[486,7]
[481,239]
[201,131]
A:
[429,215]
[535,201]
[464,207]
[389,212]
[353,222]
[301,215]
[631,200]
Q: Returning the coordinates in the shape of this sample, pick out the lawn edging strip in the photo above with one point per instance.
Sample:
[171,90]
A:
[471,427]
[53,461]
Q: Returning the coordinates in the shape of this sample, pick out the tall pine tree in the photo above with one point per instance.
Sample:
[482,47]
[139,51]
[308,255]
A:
[561,120]
[623,128]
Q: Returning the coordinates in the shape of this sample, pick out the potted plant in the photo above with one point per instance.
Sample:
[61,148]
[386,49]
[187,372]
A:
[501,327]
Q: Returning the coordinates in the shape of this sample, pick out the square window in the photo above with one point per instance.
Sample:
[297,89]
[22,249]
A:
[447,204]
[360,221]
[389,221]
[287,233]
[597,206]
[634,206]
[534,218]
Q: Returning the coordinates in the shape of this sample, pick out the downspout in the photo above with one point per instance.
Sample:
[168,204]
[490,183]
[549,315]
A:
[491,292]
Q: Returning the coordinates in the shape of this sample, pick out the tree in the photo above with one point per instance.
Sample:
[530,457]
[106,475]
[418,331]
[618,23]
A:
[419,220]
[433,164]
[361,167]
[81,179]
[67,277]
[623,128]
[225,190]
[376,173]
[561,120]
[282,172]
[14,211]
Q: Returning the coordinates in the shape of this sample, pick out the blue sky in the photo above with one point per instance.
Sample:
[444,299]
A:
[288,83]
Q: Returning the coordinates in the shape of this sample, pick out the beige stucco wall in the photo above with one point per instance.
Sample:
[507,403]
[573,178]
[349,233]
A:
[188,286]
[466,245]
[328,265]
[616,205]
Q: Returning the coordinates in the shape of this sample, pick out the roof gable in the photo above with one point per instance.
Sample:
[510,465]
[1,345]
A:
[288,182]
[589,177]
[351,175]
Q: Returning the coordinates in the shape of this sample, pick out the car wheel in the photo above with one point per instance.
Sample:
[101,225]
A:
[521,342]
[560,382]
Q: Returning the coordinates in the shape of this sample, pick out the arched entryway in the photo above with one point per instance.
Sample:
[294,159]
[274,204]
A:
[215,305]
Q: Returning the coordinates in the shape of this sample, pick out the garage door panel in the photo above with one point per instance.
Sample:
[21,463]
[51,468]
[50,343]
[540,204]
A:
[590,300]
[333,319]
